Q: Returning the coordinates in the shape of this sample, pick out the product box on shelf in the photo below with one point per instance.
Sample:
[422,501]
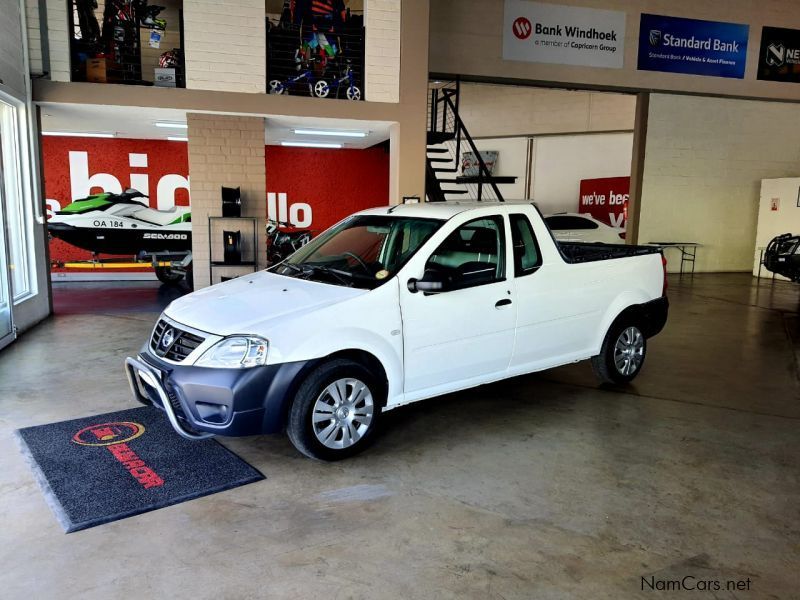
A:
[165,77]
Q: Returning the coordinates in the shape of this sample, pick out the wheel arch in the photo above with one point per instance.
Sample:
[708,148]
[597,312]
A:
[626,305]
[357,355]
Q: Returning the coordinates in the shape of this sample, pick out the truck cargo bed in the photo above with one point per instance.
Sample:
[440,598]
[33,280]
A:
[580,252]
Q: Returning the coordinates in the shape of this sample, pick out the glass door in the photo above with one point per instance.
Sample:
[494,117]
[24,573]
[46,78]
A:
[6,324]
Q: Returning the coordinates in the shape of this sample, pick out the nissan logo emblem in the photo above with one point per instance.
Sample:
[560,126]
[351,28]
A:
[168,338]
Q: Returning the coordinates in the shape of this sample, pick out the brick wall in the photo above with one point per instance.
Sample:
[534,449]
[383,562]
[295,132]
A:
[34,35]
[225,151]
[704,161]
[382,50]
[58,37]
[225,45]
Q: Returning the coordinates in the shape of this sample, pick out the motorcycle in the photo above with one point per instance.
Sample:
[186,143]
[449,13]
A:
[782,256]
[282,244]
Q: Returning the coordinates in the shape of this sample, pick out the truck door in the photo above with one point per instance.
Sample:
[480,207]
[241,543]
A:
[467,332]
[557,304]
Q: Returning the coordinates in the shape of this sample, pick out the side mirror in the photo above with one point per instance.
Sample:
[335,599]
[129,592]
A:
[432,282]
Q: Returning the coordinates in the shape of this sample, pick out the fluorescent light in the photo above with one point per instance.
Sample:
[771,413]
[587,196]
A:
[357,134]
[177,138]
[78,134]
[311,144]
[171,125]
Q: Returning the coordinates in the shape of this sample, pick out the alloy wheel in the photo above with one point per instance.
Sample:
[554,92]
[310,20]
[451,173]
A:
[629,351]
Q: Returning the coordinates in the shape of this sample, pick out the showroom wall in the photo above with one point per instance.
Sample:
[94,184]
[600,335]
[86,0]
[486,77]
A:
[317,186]
[466,39]
[704,162]
[560,162]
[382,20]
[513,159]
[493,110]
[327,185]
[549,168]
[56,63]
[12,72]
[225,42]
[74,167]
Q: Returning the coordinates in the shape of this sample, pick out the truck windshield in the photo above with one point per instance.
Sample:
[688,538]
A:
[363,251]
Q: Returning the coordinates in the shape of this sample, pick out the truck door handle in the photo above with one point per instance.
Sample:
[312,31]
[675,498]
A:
[502,303]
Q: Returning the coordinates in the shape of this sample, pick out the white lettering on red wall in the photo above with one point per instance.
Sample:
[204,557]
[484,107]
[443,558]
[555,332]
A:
[606,199]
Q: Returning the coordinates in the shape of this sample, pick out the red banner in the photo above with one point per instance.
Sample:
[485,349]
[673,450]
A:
[606,199]
[308,187]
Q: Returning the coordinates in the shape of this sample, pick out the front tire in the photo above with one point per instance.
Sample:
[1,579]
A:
[622,354]
[335,411]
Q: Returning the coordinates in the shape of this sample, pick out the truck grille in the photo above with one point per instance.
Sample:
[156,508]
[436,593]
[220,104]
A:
[177,348]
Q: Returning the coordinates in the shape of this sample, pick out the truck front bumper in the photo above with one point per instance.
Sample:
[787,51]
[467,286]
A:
[201,402]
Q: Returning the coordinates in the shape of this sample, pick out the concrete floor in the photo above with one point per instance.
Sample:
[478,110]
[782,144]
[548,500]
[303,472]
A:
[544,486]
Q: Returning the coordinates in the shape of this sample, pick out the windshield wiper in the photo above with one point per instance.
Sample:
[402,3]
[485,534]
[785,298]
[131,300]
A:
[295,267]
[339,274]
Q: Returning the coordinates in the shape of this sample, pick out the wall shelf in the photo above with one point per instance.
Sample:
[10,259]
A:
[251,264]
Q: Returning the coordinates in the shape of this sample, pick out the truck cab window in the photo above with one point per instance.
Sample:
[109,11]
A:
[472,255]
[527,257]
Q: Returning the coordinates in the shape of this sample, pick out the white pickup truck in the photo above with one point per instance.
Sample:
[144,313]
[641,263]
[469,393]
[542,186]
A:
[390,306]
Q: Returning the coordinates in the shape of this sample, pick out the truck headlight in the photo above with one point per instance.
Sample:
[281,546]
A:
[235,352]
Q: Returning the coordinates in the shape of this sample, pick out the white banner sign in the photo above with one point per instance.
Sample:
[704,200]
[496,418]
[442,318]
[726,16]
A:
[566,35]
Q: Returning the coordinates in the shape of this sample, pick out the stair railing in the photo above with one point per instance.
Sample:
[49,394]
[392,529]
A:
[444,118]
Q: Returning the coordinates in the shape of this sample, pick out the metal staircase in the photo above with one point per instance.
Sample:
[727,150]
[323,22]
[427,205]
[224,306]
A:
[447,139]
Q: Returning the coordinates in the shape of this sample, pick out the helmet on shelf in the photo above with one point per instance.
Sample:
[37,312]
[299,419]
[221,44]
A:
[170,59]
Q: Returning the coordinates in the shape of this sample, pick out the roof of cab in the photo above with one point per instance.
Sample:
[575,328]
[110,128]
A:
[437,210]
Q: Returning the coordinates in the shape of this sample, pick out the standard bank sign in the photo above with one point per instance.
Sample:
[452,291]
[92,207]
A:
[692,46]
[566,35]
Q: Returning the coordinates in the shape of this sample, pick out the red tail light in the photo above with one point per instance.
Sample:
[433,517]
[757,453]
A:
[622,235]
[664,266]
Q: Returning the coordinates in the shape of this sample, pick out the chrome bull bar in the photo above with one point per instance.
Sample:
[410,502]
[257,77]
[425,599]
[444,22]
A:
[138,372]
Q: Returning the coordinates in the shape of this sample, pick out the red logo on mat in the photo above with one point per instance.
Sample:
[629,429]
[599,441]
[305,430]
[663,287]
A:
[115,436]
[522,28]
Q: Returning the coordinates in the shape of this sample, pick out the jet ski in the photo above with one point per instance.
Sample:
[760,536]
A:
[122,224]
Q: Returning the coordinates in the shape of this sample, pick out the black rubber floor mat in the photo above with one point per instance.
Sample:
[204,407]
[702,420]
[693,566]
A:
[111,466]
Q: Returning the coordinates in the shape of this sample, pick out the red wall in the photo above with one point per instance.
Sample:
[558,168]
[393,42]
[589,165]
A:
[334,183]
[107,156]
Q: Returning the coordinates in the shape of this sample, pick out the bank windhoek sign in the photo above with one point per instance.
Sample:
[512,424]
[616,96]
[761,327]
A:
[692,46]
[566,35]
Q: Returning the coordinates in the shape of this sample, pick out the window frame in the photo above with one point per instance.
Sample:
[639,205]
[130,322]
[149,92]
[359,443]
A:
[523,272]
[500,222]
[18,196]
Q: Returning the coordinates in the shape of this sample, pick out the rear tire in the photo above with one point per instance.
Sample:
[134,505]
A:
[335,411]
[622,353]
